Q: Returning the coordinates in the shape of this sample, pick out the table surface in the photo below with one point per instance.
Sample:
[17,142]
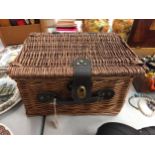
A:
[20,124]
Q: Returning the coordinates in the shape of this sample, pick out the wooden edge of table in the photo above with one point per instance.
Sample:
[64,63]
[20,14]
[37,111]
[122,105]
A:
[144,51]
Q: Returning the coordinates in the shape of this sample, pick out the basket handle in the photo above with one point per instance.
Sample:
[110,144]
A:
[100,95]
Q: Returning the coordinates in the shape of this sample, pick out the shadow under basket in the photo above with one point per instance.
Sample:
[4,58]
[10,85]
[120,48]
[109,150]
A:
[74,73]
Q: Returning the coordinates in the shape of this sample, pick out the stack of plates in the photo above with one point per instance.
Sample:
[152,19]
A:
[66,26]
[9,94]
[4,130]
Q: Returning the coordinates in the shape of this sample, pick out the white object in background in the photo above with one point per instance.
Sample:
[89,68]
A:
[79,25]
[51,30]
[144,108]
[110,25]
[13,100]
[10,54]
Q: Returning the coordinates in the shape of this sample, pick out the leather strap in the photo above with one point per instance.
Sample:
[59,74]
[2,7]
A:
[100,95]
[81,87]
[82,81]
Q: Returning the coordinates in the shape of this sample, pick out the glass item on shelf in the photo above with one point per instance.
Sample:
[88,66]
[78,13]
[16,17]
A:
[122,27]
[95,25]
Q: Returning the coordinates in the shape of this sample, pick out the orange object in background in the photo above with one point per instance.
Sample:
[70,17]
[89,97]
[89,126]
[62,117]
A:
[122,27]
[151,78]
[145,84]
[152,84]
[95,25]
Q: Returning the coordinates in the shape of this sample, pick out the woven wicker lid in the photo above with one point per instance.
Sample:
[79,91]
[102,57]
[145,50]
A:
[48,55]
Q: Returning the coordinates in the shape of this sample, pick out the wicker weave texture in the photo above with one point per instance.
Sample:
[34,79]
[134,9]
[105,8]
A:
[47,54]
[45,64]
[30,88]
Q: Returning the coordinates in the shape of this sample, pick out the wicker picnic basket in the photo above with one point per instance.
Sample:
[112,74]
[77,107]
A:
[79,73]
